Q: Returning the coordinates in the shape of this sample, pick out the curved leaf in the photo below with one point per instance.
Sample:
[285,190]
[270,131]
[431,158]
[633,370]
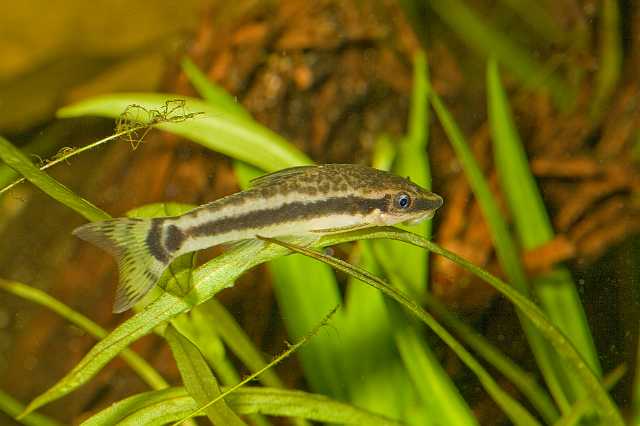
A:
[168,405]
[135,361]
[15,159]
[198,379]
[562,345]
[514,410]
[228,133]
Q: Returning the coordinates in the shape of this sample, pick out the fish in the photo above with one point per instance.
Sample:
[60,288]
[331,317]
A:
[305,200]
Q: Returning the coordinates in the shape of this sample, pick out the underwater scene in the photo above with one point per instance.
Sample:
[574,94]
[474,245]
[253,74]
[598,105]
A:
[333,212]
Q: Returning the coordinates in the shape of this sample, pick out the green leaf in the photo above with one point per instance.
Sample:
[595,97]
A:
[160,210]
[516,412]
[305,291]
[173,404]
[412,161]
[275,361]
[438,396]
[15,159]
[213,94]
[556,338]
[216,128]
[208,280]
[237,340]
[378,381]
[135,361]
[44,144]
[202,330]
[583,406]
[609,67]
[555,290]
[198,379]
[524,381]
[538,17]
[483,37]
[105,350]
[506,249]
[12,408]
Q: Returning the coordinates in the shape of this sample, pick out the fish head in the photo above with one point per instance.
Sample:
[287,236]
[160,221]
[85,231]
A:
[407,202]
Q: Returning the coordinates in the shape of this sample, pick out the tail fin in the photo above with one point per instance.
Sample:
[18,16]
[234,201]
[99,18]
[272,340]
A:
[135,244]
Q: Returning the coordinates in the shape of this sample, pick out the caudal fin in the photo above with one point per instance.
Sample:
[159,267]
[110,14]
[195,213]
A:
[128,241]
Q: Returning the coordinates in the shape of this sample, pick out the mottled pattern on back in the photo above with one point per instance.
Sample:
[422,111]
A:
[330,178]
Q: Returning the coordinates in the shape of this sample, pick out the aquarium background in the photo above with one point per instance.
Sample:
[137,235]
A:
[523,115]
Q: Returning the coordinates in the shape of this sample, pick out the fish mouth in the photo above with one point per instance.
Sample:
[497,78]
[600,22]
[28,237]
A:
[421,218]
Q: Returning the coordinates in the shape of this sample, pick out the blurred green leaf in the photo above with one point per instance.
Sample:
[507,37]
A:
[213,94]
[609,66]
[485,38]
[556,290]
[538,319]
[378,381]
[160,210]
[583,406]
[294,278]
[198,379]
[12,408]
[384,153]
[438,396]
[538,17]
[106,349]
[516,412]
[15,159]
[441,400]
[506,249]
[237,340]
[135,361]
[521,379]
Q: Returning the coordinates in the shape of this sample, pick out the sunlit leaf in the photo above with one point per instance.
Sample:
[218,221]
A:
[198,379]
[215,128]
[15,159]
[174,403]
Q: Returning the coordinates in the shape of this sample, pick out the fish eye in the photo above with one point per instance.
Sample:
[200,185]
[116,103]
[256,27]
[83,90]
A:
[403,201]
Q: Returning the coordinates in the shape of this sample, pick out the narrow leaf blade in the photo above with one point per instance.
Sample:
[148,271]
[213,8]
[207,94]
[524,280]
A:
[15,159]
[198,379]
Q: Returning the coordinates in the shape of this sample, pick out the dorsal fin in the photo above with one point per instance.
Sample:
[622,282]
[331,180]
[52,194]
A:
[274,177]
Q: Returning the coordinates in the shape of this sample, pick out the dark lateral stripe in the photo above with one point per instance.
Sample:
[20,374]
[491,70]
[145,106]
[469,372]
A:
[154,241]
[295,211]
[174,238]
